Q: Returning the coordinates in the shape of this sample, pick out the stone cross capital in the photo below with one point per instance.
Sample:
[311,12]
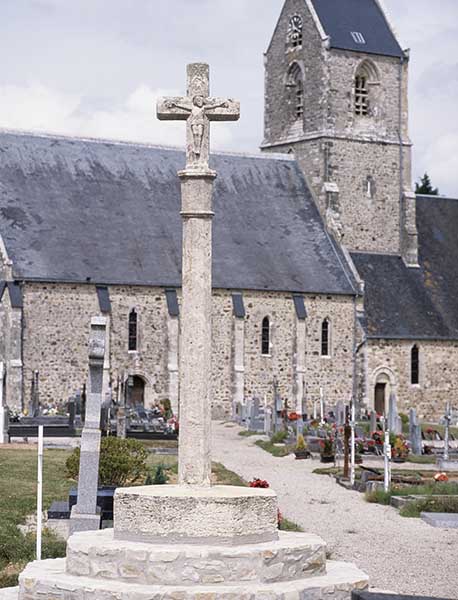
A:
[198,109]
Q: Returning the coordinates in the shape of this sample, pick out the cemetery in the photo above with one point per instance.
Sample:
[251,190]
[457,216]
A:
[284,497]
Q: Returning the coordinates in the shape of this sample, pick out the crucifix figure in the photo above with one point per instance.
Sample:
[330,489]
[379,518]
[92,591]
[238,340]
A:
[198,109]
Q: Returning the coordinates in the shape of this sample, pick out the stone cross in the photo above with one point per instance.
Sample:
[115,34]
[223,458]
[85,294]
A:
[85,515]
[197,109]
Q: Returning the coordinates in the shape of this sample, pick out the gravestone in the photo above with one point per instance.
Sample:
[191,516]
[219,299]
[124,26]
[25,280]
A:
[394,421]
[373,421]
[340,413]
[160,529]
[268,421]
[415,433]
[85,515]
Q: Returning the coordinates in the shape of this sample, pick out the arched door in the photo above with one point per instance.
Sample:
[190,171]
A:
[137,391]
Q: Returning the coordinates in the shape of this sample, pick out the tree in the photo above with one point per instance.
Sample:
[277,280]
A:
[425,187]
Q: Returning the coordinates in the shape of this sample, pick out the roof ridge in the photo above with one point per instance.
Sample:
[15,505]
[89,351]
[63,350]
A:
[117,142]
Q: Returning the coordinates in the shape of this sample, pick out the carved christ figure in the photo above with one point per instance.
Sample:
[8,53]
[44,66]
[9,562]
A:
[198,118]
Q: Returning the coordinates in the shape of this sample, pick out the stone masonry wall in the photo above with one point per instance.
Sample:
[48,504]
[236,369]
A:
[279,114]
[389,360]
[334,374]
[57,323]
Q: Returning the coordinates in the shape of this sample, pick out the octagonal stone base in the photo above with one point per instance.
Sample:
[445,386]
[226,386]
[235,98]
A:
[47,580]
[171,514]
[98,555]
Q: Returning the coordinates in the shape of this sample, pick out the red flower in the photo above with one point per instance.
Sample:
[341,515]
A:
[259,483]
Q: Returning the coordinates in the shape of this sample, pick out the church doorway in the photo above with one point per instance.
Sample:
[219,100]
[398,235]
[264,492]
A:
[137,391]
[380,398]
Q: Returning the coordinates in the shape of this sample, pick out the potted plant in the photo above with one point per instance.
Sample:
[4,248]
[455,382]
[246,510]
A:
[301,451]
[327,453]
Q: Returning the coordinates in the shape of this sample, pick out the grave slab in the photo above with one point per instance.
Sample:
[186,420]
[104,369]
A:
[443,520]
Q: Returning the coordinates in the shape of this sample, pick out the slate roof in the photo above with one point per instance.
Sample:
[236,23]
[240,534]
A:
[340,17]
[77,210]
[414,303]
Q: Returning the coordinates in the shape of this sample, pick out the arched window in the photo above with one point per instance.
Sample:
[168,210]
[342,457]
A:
[133,331]
[415,366]
[326,338]
[365,77]
[295,83]
[265,336]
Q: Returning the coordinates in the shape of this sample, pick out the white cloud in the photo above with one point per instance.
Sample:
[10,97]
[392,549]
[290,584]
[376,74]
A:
[36,107]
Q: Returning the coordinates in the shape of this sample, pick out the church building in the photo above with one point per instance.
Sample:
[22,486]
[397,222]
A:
[329,274]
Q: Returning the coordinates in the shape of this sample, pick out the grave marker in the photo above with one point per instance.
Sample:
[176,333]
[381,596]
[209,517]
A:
[85,515]
[415,433]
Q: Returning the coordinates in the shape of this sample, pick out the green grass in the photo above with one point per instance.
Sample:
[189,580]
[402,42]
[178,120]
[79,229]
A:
[431,489]
[441,505]
[246,433]
[287,525]
[277,451]
[18,478]
[422,460]
[328,471]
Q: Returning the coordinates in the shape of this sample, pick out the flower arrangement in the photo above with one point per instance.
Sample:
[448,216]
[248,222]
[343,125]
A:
[400,449]
[294,416]
[301,451]
[259,483]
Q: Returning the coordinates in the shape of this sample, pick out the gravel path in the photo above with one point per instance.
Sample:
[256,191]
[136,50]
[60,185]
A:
[402,555]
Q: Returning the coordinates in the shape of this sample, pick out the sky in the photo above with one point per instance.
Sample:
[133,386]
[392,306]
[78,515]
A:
[95,68]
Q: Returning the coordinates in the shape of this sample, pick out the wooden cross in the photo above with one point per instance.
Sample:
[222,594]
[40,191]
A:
[198,109]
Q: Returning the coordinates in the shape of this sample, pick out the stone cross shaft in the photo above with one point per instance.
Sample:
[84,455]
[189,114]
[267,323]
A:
[198,109]
[194,457]
[84,514]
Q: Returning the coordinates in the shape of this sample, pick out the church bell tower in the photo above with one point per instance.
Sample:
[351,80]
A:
[336,95]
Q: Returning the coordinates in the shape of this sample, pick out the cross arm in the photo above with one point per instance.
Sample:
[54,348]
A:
[173,109]
[219,109]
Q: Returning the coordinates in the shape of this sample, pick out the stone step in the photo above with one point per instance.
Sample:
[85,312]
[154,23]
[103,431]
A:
[98,554]
[47,580]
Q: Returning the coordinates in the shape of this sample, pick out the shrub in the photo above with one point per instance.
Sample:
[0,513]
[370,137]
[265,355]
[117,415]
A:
[379,497]
[160,478]
[121,462]
[279,437]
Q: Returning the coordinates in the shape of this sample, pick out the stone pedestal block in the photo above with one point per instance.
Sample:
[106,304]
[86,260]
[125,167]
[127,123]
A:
[171,514]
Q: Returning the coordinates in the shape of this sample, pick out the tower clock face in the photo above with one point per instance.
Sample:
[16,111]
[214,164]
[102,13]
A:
[295,27]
